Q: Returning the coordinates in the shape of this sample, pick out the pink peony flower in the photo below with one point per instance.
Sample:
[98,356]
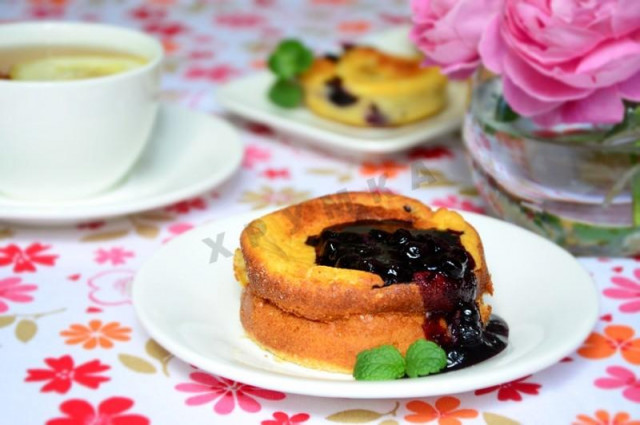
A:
[448,32]
[566,61]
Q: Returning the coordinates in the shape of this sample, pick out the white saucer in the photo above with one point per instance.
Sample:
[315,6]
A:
[190,152]
[548,300]
[247,97]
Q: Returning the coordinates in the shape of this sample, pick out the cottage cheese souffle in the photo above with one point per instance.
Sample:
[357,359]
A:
[369,88]
[330,277]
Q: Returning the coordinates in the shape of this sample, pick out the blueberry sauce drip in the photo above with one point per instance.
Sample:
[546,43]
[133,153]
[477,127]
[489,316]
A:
[346,46]
[337,94]
[438,263]
[332,57]
[374,116]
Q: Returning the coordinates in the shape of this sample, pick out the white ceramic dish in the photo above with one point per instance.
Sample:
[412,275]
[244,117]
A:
[247,98]
[190,152]
[190,305]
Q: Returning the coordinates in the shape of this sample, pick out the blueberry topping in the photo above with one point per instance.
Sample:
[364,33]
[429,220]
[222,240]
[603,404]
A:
[437,262]
[337,94]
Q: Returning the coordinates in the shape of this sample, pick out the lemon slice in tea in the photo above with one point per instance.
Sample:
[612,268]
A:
[72,67]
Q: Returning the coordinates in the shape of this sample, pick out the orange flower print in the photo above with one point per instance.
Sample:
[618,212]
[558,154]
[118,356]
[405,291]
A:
[96,334]
[602,417]
[615,338]
[54,3]
[354,27]
[387,168]
[444,410]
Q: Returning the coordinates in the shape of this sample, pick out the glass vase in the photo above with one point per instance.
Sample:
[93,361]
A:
[577,185]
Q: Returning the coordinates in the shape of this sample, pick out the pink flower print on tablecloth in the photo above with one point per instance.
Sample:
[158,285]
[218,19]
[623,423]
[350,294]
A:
[239,20]
[281,418]
[27,259]
[253,155]
[188,205]
[177,229]
[626,289]
[216,73]
[165,29]
[276,173]
[512,390]
[116,256]
[621,377]
[111,288]
[12,289]
[144,13]
[453,201]
[111,411]
[226,393]
[63,373]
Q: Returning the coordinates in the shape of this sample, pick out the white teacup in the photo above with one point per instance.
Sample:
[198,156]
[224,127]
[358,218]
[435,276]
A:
[62,140]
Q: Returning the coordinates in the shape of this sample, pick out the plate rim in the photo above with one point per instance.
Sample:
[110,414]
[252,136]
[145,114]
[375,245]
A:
[65,212]
[360,389]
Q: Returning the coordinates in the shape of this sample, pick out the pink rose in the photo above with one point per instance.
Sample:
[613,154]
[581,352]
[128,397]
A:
[448,32]
[566,61]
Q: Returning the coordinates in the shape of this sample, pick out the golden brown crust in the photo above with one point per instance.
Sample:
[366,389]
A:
[401,89]
[332,345]
[280,266]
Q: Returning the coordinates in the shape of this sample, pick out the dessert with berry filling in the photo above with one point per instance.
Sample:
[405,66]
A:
[369,88]
[333,276]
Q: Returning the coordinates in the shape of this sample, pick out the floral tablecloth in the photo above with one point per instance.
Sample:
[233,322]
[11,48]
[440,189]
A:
[72,350]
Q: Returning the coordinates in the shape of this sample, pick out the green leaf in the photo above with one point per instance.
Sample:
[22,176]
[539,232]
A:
[105,236]
[504,113]
[354,416]
[493,419]
[156,351]
[286,93]
[424,358]
[378,364]
[137,364]
[26,329]
[6,320]
[290,59]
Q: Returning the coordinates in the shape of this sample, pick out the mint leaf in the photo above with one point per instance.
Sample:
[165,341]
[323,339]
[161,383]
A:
[290,59]
[424,358]
[286,93]
[379,364]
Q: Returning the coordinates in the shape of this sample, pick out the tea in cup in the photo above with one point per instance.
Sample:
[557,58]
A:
[78,103]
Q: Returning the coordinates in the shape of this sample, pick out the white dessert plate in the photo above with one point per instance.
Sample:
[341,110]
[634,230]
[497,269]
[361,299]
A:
[190,152]
[190,305]
[247,97]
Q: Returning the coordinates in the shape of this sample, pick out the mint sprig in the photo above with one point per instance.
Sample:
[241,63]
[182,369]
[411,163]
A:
[290,59]
[379,364]
[424,358]
[386,362]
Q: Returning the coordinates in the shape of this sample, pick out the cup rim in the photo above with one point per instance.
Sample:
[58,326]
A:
[153,62]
